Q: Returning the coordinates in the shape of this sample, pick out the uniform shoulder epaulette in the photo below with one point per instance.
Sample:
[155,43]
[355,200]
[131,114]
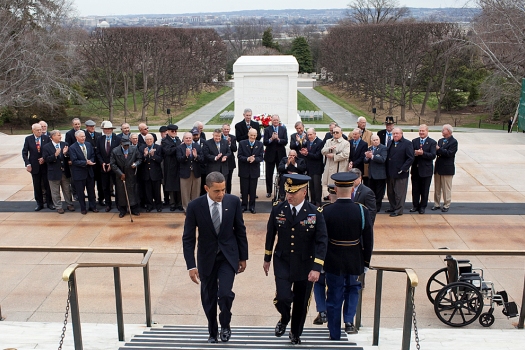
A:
[275,203]
[326,204]
[320,209]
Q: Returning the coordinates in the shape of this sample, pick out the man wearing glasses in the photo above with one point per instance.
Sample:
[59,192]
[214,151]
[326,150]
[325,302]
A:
[144,130]
[336,150]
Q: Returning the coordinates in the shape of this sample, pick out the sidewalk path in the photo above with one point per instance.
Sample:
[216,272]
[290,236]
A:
[207,112]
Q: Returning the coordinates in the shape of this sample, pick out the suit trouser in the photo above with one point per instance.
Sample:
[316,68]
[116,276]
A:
[190,189]
[152,189]
[443,183]
[55,185]
[217,289]
[344,288]
[379,187]
[248,190]
[98,180]
[175,199]
[316,190]
[396,191]
[320,293]
[89,184]
[229,182]
[420,189]
[270,167]
[38,180]
[107,186]
[298,293]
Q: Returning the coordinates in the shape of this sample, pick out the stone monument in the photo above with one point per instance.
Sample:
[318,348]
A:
[266,84]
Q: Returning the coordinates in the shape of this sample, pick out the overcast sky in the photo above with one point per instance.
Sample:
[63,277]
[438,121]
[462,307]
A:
[125,7]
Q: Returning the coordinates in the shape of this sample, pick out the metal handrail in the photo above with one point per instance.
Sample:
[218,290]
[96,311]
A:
[412,277]
[69,275]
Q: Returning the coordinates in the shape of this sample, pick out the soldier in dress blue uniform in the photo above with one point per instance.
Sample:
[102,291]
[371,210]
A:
[299,253]
[350,243]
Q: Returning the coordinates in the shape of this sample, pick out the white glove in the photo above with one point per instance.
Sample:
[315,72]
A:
[366,270]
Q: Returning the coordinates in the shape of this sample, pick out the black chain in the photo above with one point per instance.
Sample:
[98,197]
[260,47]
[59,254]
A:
[66,316]
[414,321]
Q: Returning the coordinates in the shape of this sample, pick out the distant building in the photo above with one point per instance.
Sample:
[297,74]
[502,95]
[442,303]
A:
[103,24]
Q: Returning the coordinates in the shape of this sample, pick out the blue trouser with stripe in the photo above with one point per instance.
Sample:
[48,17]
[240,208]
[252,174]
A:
[341,288]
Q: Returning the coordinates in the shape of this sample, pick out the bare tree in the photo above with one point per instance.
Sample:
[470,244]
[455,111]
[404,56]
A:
[376,11]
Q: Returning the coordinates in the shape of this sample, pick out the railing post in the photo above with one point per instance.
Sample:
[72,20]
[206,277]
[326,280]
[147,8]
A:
[522,313]
[1,317]
[407,322]
[75,312]
[147,294]
[360,302]
[377,306]
[118,301]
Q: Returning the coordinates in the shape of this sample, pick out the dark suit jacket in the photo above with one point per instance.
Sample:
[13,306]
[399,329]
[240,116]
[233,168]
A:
[357,155]
[142,141]
[30,154]
[382,136]
[233,148]
[102,156]
[275,149]
[151,167]
[344,223]
[189,164]
[299,167]
[93,140]
[314,158]
[298,145]
[446,155]
[400,158]
[424,164]
[241,131]
[171,164]
[70,137]
[366,196]
[246,169]
[56,165]
[231,239]
[79,168]
[210,152]
[377,164]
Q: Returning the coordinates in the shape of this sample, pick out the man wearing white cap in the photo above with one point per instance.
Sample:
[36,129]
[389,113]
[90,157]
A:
[105,144]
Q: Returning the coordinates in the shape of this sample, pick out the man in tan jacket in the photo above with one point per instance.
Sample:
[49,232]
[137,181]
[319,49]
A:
[336,150]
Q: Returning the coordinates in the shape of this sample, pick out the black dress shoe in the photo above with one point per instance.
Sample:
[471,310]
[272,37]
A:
[395,214]
[389,211]
[51,206]
[321,318]
[107,209]
[268,195]
[294,339]
[159,210]
[148,210]
[101,203]
[180,207]
[94,210]
[212,340]
[421,210]
[280,328]
[350,328]
[252,210]
[435,208]
[172,208]
[413,210]
[244,209]
[83,212]
[121,215]
[136,213]
[444,210]
[39,207]
[226,333]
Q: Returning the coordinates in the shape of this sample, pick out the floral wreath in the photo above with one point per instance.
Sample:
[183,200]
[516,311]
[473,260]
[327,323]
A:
[263,119]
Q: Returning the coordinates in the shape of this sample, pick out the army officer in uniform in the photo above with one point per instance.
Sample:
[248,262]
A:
[299,253]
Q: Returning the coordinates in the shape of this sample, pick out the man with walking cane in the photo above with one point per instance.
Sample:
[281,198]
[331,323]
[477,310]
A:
[124,162]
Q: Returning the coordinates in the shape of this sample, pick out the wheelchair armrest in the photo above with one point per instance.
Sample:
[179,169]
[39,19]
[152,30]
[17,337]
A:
[469,274]
[463,261]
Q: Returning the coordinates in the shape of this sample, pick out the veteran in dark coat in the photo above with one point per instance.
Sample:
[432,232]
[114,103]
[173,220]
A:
[151,172]
[250,156]
[124,162]
[171,167]
[422,169]
[299,254]
[350,244]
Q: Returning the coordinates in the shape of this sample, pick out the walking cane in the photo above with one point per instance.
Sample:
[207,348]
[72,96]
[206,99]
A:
[127,199]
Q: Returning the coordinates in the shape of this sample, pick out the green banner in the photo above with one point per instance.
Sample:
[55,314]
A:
[521,111]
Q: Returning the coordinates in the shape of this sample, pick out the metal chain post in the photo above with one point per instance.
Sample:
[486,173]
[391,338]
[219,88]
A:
[414,321]
[65,316]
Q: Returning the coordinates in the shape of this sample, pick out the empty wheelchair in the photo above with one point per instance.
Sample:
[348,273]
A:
[458,292]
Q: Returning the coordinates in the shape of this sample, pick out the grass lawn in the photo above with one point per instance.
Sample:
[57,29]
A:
[216,120]
[341,102]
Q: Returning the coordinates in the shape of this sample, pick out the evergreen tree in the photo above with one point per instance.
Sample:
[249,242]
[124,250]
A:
[301,51]
[267,38]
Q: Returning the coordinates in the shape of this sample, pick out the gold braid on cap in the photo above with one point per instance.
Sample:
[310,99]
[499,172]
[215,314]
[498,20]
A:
[343,183]
[288,187]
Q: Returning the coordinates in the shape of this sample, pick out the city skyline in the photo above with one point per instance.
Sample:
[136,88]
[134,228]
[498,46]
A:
[130,7]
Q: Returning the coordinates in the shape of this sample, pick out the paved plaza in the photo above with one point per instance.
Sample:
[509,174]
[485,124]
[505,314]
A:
[490,168]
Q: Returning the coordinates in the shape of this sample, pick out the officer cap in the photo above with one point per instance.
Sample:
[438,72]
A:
[389,120]
[163,128]
[90,123]
[195,131]
[172,127]
[331,189]
[294,182]
[344,179]
[125,140]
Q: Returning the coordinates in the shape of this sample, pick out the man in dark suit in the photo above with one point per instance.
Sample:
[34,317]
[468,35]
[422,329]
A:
[70,135]
[385,135]
[376,157]
[232,143]
[400,158]
[171,167]
[299,254]
[250,156]
[152,173]
[200,127]
[445,168]
[314,165]
[422,169]
[143,132]
[222,251]
[125,130]
[35,165]
[190,157]
[289,165]
[197,139]
[216,153]
[105,145]
[275,139]
[348,255]
[82,157]
[358,148]
[92,137]
[363,195]
[298,139]
[242,127]
[56,157]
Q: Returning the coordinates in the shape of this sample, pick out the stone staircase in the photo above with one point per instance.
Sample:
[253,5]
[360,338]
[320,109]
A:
[255,338]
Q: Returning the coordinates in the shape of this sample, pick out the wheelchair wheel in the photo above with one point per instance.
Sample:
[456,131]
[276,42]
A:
[436,282]
[486,319]
[458,304]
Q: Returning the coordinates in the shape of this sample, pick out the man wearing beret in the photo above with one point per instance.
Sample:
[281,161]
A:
[350,243]
[299,254]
